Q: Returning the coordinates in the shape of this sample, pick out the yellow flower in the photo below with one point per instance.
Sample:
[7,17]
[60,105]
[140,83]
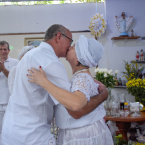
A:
[136,87]
[132,70]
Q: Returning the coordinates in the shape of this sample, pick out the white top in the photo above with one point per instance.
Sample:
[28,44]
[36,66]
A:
[30,109]
[11,79]
[4,92]
[84,83]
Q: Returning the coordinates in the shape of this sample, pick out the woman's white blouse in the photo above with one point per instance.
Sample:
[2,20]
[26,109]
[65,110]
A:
[86,84]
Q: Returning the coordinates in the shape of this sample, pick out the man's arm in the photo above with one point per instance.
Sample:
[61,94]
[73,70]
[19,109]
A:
[94,102]
[3,69]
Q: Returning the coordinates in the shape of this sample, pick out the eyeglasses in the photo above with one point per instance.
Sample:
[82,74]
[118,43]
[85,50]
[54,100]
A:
[68,38]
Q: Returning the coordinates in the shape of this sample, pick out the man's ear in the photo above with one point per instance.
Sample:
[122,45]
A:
[58,36]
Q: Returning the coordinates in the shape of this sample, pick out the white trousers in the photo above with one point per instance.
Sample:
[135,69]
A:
[2,112]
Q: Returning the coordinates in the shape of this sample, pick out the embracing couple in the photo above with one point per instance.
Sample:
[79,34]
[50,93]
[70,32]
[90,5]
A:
[42,91]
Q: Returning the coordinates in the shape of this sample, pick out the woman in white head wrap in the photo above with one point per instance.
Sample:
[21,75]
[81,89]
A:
[11,76]
[91,128]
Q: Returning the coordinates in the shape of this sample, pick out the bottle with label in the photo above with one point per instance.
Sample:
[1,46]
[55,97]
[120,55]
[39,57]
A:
[126,109]
[121,105]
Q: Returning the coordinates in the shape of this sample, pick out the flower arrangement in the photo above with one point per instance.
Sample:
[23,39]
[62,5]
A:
[97,25]
[132,71]
[138,143]
[136,87]
[106,77]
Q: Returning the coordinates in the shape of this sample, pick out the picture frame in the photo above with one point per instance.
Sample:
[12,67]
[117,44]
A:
[34,41]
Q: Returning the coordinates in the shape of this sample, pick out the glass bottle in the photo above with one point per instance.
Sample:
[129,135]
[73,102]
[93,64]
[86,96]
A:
[122,101]
[115,106]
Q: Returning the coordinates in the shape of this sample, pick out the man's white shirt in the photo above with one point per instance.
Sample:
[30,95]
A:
[30,109]
[4,92]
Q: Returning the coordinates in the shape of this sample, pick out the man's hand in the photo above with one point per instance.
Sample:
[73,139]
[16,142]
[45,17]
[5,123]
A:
[1,65]
[3,69]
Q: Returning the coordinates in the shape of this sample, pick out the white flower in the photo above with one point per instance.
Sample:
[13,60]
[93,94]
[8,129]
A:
[117,71]
[100,70]
[96,70]
[105,75]
[105,70]
[110,72]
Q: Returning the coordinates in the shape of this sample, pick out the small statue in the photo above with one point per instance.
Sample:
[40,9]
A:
[141,55]
[123,23]
[137,55]
[132,33]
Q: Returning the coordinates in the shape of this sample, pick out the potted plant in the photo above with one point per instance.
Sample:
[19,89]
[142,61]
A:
[135,84]
[136,87]
[133,70]
[106,77]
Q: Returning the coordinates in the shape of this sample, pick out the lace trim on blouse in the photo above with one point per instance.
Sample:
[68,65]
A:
[85,83]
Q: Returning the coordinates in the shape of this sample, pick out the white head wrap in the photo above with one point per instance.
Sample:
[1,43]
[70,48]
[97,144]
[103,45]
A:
[88,51]
[24,50]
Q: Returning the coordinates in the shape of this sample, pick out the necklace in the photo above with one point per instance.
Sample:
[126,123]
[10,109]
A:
[86,69]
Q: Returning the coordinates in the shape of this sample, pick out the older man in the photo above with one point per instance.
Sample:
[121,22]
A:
[6,63]
[30,109]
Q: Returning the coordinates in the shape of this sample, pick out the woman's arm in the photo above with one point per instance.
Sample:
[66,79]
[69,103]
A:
[94,102]
[73,101]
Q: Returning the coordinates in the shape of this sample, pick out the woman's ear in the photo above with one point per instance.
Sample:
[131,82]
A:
[77,60]
[78,63]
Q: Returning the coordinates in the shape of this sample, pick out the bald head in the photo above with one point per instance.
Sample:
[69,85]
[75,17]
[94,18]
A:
[53,30]
[60,38]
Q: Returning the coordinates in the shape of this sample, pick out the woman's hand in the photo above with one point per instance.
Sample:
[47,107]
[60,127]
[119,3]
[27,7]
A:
[37,76]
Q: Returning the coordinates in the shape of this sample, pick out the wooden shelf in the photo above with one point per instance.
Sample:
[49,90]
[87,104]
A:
[137,61]
[122,87]
[125,37]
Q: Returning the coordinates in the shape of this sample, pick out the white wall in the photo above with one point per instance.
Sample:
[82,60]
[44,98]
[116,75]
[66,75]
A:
[119,50]
[37,18]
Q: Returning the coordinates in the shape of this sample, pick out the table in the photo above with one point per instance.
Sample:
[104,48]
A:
[123,123]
